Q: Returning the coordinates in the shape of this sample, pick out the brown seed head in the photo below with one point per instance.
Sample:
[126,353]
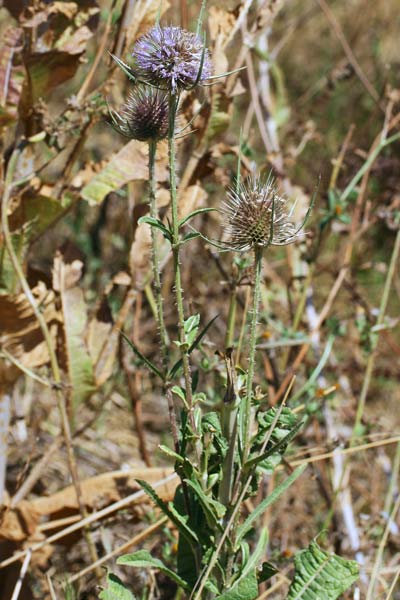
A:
[256,215]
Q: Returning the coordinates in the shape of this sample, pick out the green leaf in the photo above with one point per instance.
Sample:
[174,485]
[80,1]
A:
[142,558]
[70,592]
[259,552]
[124,67]
[321,576]
[187,555]
[190,236]
[116,590]
[196,342]
[262,507]
[213,509]
[170,511]
[191,327]
[8,277]
[193,214]
[244,589]
[158,224]
[171,453]
[141,356]
[276,447]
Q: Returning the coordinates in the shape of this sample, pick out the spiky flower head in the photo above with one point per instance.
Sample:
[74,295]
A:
[256,216]
[171,58]
[144,117]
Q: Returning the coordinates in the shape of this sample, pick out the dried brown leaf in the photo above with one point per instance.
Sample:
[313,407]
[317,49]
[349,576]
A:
[140,255]
[78,363]
[18,524]
[129,164]
[20,333]
[107,350]
[144,15]
[103,490]
[193,197]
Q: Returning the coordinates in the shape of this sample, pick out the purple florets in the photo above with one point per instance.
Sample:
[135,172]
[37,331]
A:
[171,58]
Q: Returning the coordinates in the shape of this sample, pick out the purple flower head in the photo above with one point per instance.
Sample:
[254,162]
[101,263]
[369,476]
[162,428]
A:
[171,58]
[144,117]
[256,215]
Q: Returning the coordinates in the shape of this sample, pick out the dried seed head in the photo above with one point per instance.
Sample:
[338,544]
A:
[256,215]
[144,117]
[171,58]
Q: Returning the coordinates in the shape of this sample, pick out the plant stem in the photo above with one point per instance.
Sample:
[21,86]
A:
[57,381]
[173,105]
[371,359]
[252,354]
[155,257]
[158,295]
[230,329]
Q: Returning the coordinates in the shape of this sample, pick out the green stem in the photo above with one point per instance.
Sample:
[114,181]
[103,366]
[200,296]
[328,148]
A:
[381,317]
[252,354]
[156,258]
[371,159]
[230,329]
[173,105]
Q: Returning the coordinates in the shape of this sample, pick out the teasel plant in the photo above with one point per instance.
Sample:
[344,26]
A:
[220,453]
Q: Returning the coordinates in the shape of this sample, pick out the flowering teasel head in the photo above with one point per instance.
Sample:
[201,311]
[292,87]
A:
[144,116]
[256,216]
[171,58]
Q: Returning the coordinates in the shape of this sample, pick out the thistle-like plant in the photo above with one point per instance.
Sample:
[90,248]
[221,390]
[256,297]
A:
[220,453]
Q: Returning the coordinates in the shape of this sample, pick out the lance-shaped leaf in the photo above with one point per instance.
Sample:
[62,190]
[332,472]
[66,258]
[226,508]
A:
[321,575]
[158,225]
[170,511]
[196,342]
[213,510]
[193,214]
[278,447]
[245,589]
[143,559]
[142,357]
[262,507]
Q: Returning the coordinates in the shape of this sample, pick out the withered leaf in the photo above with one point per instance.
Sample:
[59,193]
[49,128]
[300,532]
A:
[129,164]
[192,198]
[78,362]
[18,524]
[140,255]
[20,333]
